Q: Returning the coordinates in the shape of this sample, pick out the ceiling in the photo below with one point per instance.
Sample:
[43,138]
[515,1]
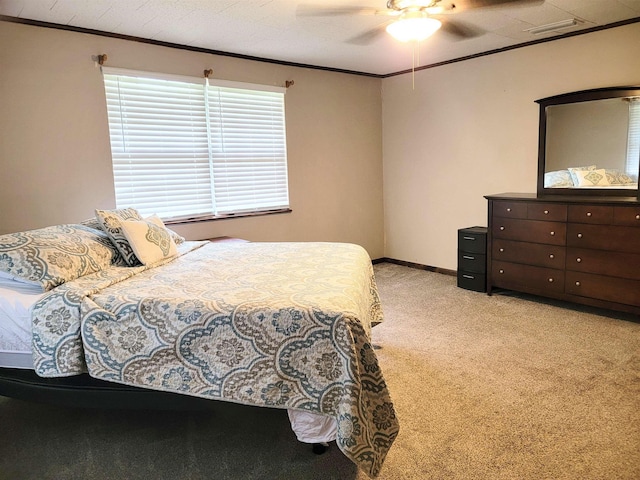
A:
[276,30]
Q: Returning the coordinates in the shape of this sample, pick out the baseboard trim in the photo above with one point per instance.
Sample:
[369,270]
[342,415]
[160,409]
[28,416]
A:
[418,266]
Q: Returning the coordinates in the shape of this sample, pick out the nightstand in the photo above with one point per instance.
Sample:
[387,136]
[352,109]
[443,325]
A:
[472,258]
[228,240]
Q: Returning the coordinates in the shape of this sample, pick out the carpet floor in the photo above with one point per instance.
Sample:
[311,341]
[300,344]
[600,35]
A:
[485,387]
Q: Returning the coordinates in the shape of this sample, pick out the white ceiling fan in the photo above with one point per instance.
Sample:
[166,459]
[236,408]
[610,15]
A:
[414,20]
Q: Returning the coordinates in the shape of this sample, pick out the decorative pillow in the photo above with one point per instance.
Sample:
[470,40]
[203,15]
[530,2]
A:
[53,255]
[149,239]
[592,178]
[111,221]
[176,237]
[94,223]
[558,179]
[573,170]
[616,177]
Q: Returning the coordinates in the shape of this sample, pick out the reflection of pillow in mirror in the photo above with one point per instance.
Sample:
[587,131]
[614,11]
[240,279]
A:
[592,178]
[558,179]
[573,170]
[617,177]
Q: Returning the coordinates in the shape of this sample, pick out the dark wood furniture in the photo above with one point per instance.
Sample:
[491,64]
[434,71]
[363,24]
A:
[472,258]
[584,250]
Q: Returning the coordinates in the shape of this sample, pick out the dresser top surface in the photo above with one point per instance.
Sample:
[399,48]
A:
[596,199]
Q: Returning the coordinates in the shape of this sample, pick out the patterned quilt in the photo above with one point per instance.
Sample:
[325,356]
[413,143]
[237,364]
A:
[284,325]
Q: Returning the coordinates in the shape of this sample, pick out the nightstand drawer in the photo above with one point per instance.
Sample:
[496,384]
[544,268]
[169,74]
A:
[472,240]
[472,262]
[472,281]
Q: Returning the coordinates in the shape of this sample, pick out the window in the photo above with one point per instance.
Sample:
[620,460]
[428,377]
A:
[182,147]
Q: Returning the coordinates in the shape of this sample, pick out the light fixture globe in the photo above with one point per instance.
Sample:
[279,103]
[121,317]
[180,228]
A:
[413,26]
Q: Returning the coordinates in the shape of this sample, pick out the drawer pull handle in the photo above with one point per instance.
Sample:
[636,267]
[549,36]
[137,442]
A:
[501,228]
[552,256]
[470,277]
[552,233]
[551,280]
[468,257]
[500,271]
[588,214]
[638,217]
[578,259]
[508,209]
[577,284]
[469,238]
[579,235]
[546,212]
[502,250]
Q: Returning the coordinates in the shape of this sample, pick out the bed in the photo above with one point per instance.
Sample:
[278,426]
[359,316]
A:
[125,301]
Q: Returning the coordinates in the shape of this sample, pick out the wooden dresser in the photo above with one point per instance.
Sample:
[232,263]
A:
[581,249]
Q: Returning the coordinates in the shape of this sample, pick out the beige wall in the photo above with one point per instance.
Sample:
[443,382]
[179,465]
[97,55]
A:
[471,128]
[54,145]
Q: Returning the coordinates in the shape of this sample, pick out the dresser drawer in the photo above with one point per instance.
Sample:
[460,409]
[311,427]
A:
[613,238]
[596,214]
[542,255]
[510,209]
[629,216]
[472,262]
[536,231]
[613,264]
[527,277]
[551,212]
[472,281]
[472,240]
[612,289]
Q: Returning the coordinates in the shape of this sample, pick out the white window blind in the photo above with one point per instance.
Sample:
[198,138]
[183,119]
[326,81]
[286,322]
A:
[633,145]
[183,148]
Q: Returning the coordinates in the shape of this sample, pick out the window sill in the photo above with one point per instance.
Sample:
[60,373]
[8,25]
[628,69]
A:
[210,218]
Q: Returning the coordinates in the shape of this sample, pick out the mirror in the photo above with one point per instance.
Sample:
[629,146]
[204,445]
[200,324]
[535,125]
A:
[589,143]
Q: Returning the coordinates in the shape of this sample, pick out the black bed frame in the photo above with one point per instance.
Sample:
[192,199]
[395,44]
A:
[83,391]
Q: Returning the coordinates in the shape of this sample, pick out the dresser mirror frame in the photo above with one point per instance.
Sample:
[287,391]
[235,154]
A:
[594,96]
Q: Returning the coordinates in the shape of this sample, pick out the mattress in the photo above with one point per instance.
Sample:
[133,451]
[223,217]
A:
[15,327]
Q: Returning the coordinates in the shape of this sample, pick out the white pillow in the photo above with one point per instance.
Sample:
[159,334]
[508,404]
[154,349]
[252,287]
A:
[573,170]
[149,239]
[592,178]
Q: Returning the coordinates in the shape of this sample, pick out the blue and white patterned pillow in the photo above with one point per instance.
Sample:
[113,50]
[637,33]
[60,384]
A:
[616,177]
[111,221]
[574,177]
[53,255]
[149,239]
[558,179]
[94,223]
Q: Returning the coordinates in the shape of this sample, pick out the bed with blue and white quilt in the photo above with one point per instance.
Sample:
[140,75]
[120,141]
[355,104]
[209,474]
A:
[281,325]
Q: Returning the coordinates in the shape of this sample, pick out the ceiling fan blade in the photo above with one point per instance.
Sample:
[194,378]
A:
[317,10]
[369,36]
[454,6]
[460,30]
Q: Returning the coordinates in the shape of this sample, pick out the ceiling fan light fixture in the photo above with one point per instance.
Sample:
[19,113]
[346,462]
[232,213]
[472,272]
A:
[413,26]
